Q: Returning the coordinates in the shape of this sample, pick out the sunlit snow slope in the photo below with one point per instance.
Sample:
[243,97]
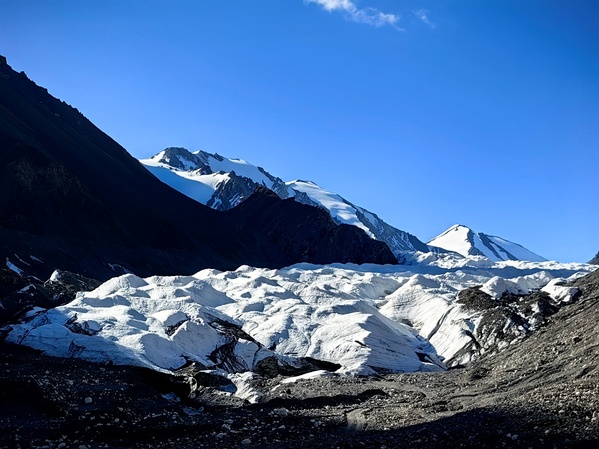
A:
[465,241]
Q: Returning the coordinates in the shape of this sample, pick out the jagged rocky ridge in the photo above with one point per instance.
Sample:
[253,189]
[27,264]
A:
[595,260]
[223,183]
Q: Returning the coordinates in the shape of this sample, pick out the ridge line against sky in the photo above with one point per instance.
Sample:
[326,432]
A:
[428,113]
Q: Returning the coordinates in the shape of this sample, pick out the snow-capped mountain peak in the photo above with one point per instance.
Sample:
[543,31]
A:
[463,240]
[181,159]
[223,183]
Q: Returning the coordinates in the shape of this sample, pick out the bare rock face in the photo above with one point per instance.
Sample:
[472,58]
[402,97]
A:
[23,294]
[316,238]
[503,321]
[595,260]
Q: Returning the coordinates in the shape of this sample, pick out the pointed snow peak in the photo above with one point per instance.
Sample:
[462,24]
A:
[182,159]
[454,228]
[458,228]
[463,240]
[172,152]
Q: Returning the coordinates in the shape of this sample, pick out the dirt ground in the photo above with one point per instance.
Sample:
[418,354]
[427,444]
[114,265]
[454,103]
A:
[541,392]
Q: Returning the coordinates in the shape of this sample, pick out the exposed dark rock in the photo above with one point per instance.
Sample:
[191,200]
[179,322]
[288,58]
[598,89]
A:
[232,193]
[595,260]
[20,294]
[78,328]
[474,299]
[501,321]
[315,237]
[180,158]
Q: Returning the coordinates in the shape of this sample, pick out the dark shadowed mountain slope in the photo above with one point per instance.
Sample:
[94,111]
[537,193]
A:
[306,233]
[73,198]
[595,260]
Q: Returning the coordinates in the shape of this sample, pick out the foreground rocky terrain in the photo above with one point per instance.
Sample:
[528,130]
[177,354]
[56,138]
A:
[541,392]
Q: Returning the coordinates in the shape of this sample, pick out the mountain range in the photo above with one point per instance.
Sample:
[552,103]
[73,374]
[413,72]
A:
[74,199]
[223,183]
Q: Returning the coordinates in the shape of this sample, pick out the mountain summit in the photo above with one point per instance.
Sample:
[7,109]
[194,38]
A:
[222,183]
[463,240]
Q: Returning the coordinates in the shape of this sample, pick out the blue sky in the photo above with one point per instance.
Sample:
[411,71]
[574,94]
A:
[428,113]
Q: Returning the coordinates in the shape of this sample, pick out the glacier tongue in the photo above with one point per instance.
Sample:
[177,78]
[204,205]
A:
[367,319]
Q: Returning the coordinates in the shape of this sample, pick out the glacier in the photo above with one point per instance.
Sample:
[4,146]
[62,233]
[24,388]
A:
[364,319]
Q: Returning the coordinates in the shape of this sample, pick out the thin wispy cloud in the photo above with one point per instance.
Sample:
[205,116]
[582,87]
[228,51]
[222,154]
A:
[367,15]
[422,14]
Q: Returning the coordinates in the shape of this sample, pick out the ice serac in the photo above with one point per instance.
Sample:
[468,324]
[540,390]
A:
[463,240]
[223,183]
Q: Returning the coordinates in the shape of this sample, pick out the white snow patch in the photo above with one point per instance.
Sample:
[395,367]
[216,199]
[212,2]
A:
[340,209]
[318,374]
[560,292]
[454,239]
[55,276]
[496,287]
[515,250]
[11,266]
[242,382]
[26,289]
[192,184]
